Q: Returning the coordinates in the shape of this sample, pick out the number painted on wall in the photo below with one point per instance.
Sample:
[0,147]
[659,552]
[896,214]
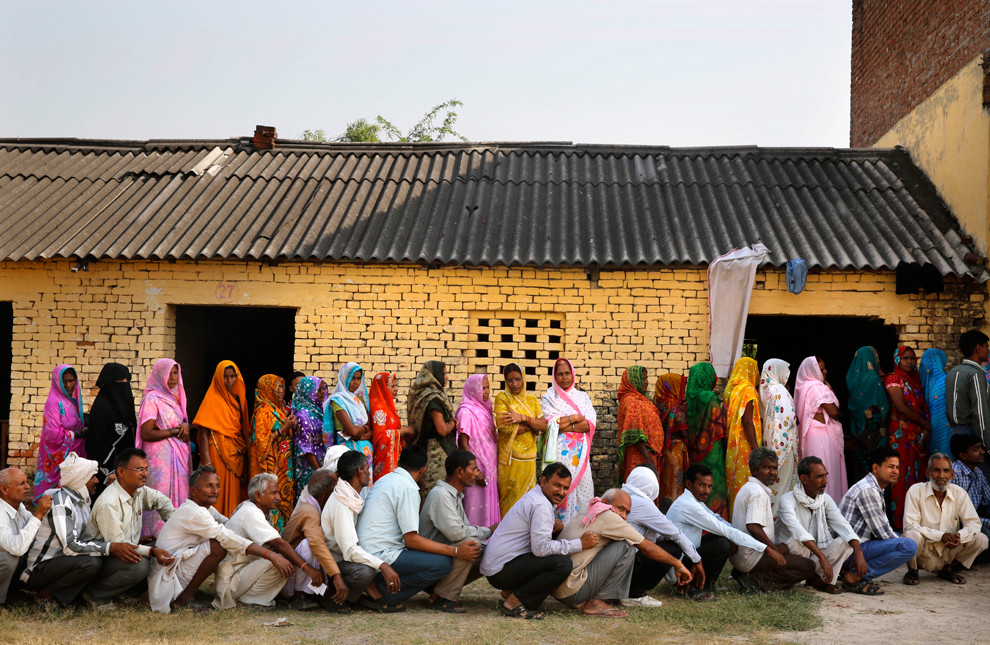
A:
[224,291]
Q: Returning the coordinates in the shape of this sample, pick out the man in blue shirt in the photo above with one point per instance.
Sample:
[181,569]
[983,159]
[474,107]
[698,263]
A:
[388,528]
[969,457]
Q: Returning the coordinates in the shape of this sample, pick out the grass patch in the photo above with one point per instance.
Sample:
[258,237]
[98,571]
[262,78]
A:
[733,618]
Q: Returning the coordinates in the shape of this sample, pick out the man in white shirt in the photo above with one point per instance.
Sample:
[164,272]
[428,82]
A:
[806,518]
[338,519]
[116,517]
[942,521]
[692,517]
[61,562]
[18,526]
[752,513]
[250,579]
[195,536]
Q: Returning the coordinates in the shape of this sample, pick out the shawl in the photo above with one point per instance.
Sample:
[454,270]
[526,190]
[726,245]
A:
[932,371]
[474,414]
[638,419]
[384,416]
[865,389]
[558,402]
[306,398]
[700,401]
[913,378]
[669,392]
[428,387]
[741,391]
[773,382]
[76,473]
[643,482]
[354,403]
[112,421]
[64,409]
[810,391]
[596,507]
[522,403]
[157,393]
[266,400]
[220,411]
[348,496]
[819,521]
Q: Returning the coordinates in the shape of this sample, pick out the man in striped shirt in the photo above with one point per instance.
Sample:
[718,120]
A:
[61,563]
[967,394]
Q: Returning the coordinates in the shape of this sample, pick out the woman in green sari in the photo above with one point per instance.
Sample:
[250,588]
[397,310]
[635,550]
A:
[706,431]
[868,406]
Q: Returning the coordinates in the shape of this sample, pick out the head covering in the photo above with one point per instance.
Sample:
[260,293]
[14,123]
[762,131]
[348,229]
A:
[637,378]
[638,419]
[775,373]
[381,402]
[266,395]
[558,402]
[62,403]
[220,411]
[745,371]
[931,367]
[76,473]
[810,391]
[474,412]
[158,393]
[911,377]
[427,387]
[307,397]
[119,396]
[699,395]
[334,453]
[865,389]
[643,482]
[354,403]
[596,507]
[669,391]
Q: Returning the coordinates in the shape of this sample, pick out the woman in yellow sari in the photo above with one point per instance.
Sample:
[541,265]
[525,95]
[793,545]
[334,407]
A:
[745,430]
[222,420]
[519,420]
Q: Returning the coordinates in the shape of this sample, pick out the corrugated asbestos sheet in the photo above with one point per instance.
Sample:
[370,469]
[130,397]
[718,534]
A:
[553,204]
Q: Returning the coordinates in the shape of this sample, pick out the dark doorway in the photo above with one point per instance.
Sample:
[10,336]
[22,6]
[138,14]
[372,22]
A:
[259,340]
[6,362]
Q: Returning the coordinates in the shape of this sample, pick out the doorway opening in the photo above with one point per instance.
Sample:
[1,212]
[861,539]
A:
[6,365]
[260,340]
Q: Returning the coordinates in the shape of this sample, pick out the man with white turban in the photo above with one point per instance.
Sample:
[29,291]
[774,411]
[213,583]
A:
[61,563]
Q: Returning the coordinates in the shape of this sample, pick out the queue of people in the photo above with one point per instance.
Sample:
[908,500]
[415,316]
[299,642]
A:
[325,498]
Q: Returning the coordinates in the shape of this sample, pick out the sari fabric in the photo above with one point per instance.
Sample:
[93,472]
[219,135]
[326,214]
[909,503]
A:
[573,449]
[822,440]
[475,421]
[308,439]
[385,426]
[112,419]
[906,436]
[868,406]
[225,415]
[516,447]
[706,431]
[639,422]
[669,399]
[169,460]
[271,445]
[355,405]
[779,425]
[741,391]
[61,431]
[427,394]
[932,371]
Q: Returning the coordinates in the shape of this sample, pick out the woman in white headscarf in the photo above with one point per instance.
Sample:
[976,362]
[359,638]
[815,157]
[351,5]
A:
[779,424]
[347,413]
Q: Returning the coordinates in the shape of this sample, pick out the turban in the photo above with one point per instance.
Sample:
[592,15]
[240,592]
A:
[76,473]
[333,454]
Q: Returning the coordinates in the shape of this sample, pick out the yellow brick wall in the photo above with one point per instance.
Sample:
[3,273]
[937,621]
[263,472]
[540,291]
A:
[394,317]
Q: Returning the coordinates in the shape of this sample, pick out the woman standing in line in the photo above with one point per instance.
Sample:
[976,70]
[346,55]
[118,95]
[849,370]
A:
[431,412]
[349,414]
[112,420]
[641,437]
[868,407]
[388,434]
[519,421]
[745,430]
[780,432]
[271,443]
[476,434]
[308,445]
[908,427]
[706,431]
[223,422]
[62,428]
[820,431]
[669,399]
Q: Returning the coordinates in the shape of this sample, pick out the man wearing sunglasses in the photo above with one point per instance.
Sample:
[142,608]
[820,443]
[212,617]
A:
[116,517]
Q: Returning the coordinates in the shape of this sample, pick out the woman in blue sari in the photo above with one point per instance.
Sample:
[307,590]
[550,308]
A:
[349,412]
[932,370]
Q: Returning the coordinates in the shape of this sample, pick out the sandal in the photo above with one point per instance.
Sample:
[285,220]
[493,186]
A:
[521,612]
[828,588]
[911,577]
[330,606]
[864,587]
[447,606]
[380,605]
[951,576]
[745,584]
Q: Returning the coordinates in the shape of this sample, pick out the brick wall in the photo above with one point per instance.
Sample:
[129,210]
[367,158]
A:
[394,317]
[902,51]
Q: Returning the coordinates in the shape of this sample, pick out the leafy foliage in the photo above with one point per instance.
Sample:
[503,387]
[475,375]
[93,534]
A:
[436,125]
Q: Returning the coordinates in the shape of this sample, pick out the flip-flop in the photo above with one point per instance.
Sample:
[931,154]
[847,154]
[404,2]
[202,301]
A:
[828,588]
[911,578]
[952,577]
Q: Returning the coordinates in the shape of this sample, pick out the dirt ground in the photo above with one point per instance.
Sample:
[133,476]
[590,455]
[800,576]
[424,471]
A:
[935,611]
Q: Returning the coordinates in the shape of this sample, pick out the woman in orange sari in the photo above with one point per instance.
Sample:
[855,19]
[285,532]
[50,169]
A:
[222,422]
[640,427]
[271,444]
[669,399]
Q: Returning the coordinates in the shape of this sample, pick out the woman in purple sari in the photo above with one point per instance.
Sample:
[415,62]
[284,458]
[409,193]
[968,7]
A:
[164,434]
[308,441]
[61,430]
[476,434]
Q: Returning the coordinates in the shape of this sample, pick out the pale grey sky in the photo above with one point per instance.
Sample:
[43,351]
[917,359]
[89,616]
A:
[691,73]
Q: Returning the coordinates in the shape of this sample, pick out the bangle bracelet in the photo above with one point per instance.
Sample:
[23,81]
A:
[455,551]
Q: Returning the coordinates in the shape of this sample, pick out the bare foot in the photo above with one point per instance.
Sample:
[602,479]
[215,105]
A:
[505,594]
[595,607]
[511,602]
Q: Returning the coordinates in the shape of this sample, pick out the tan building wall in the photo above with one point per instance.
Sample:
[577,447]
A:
[394,317]
[948,136]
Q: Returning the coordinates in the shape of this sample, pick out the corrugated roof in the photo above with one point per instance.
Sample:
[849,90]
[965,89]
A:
[533,204]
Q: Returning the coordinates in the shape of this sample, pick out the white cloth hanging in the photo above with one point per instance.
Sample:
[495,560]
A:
[730,286]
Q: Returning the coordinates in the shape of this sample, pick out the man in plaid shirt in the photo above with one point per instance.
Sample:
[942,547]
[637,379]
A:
[969,455]
[863,507]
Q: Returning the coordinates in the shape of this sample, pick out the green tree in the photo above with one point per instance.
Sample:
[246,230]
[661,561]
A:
[436,125]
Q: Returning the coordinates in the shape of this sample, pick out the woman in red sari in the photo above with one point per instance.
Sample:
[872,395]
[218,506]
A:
[387,432]
[908,428]
[669,399]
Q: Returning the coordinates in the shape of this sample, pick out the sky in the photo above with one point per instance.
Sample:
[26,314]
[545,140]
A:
[689,73]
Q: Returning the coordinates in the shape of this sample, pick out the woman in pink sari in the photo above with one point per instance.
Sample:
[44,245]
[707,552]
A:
[476,434]
[819,429]
[164,434]
[61,429]
[569,411]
